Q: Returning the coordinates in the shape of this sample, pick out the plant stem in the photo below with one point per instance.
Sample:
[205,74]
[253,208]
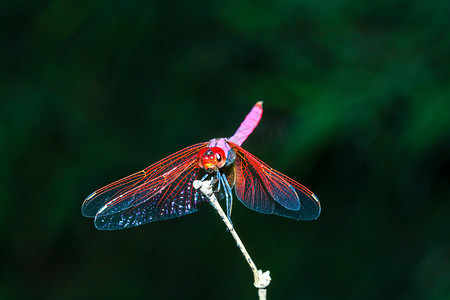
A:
[262,280]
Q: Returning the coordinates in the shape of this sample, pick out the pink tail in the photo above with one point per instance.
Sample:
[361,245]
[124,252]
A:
[249,124]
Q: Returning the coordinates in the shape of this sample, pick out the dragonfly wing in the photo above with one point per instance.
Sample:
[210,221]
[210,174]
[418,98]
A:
[250,190]
[252,169]
[176,199]
[97,199]
[266,190]
[130,190]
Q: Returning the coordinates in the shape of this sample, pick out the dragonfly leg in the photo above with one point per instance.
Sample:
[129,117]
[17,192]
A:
[218,183]
[204,177]
[228,195]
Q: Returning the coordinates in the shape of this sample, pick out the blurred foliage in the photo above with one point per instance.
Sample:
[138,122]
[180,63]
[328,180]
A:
[356,98]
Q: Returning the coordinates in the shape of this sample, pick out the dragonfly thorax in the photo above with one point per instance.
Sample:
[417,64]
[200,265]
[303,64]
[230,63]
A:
[211,159]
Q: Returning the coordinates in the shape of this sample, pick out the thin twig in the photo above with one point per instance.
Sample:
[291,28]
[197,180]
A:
[262,280]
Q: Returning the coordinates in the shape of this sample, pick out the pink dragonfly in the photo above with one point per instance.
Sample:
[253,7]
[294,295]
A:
[165,190]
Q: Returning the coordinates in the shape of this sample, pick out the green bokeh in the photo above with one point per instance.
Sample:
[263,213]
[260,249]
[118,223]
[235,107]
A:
[356,97]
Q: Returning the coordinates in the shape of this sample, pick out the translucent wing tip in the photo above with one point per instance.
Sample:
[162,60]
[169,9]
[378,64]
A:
[316,198]
[90,196]
[85,211]
[319,207]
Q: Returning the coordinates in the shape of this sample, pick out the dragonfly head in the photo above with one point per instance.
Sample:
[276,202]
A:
[211,159]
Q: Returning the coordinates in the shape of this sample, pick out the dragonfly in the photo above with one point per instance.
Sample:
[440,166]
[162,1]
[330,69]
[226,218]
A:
[165,189]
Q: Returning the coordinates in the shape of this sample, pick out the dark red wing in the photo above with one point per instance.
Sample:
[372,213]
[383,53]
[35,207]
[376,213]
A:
[137,188]
[263,189]
[177,199]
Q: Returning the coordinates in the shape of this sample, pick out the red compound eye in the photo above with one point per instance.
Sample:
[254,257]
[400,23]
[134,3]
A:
[220,156]
[211,159]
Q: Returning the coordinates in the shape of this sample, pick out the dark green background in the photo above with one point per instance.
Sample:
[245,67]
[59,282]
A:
[356,98]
